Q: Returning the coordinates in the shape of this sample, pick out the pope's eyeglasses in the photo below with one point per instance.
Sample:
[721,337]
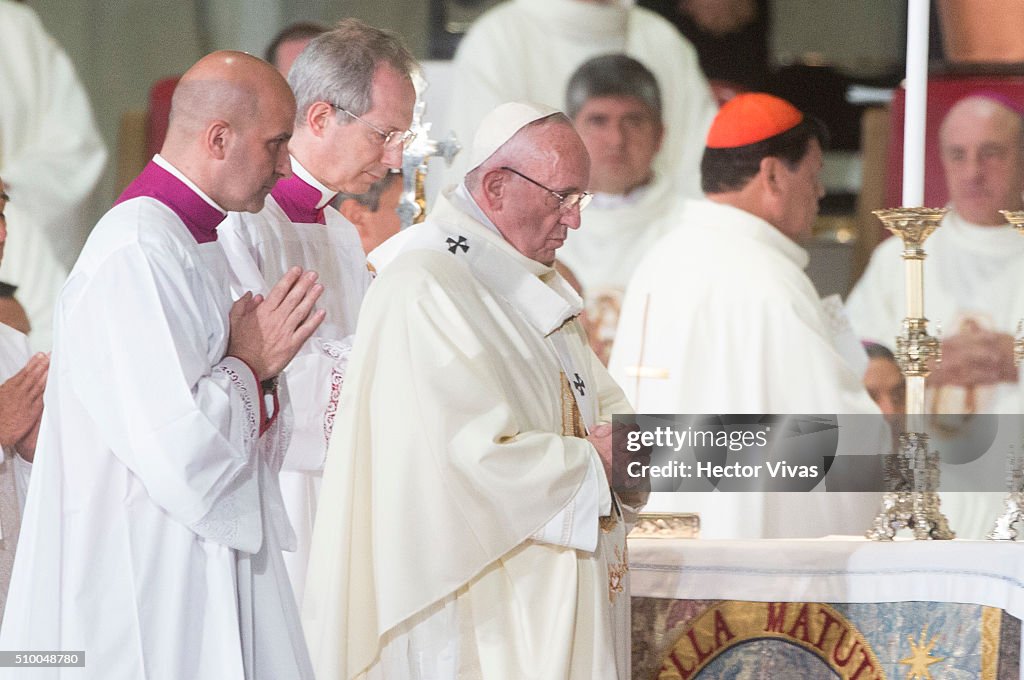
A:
[566,201]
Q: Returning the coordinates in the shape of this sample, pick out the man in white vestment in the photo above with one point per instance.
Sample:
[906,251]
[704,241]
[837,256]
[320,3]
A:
[22,380]
[720,317]
[974,269]
[528,49]
[153,529]
[51,156]
[615,104]
[355,98]
[466,526]
[973,280]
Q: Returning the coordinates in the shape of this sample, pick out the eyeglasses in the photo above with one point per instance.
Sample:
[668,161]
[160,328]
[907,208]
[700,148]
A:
[390,140]
[566,201]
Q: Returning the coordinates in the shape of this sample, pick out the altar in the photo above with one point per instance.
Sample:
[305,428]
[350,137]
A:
[831,608]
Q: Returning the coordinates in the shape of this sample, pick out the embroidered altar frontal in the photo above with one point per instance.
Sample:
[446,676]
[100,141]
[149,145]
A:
[718,639]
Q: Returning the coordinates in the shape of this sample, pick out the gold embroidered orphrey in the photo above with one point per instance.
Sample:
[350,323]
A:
[573,426]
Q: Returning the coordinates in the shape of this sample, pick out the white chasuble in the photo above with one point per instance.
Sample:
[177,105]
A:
[297,227]
[720,318]
[459,531]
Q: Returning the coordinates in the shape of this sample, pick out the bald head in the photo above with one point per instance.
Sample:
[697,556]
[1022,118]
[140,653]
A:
[982,144]
[231,118]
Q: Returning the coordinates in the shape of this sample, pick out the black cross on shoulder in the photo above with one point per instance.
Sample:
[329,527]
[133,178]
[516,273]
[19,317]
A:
[453,245]
[578,384]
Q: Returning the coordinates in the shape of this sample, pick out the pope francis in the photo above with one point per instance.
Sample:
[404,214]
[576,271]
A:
[466,527]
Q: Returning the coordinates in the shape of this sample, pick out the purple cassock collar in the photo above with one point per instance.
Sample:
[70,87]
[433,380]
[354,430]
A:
[298,199]
[199,217]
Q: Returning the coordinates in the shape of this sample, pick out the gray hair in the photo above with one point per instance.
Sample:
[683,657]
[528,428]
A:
[371,197]
[338,67]
[612,75]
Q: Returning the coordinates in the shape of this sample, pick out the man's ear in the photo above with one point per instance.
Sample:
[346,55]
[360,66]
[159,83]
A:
[317,117]
[353,211]
[494,185]
[217,138]
[772,175]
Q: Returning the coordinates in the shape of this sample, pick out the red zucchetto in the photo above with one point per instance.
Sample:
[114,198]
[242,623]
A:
[749,118]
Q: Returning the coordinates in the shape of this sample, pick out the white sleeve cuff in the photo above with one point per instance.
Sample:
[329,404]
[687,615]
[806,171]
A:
[576,524]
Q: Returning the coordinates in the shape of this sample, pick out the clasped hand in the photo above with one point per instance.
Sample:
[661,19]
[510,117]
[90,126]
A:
[21,405]
[267,332]
[975,356]
[610,440]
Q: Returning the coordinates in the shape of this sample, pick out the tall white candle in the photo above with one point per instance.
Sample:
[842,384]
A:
[916,103]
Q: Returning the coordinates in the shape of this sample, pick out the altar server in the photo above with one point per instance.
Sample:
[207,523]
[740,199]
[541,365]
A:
[154,525]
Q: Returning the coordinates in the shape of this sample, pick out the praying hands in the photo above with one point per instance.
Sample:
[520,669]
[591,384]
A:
[21,406]
[266,333]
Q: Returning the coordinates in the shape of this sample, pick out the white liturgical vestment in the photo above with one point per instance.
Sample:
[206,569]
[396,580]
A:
[526,50]
[720,318]
[298,227]
[458,534]
[153,529]
[51,156]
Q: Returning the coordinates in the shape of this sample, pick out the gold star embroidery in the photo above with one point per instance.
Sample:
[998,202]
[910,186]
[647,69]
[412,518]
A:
[921,657]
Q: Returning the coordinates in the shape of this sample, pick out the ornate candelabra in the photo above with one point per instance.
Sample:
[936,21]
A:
[911,499]
[412,209]
[1003,529]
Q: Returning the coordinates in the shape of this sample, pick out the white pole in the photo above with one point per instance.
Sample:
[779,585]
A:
[916,103]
